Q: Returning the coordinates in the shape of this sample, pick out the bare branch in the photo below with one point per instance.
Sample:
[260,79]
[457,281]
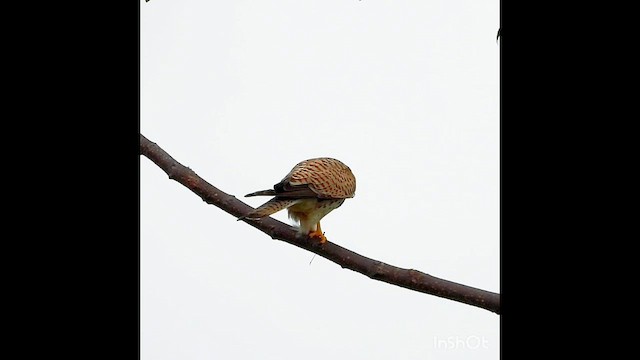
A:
[377,270]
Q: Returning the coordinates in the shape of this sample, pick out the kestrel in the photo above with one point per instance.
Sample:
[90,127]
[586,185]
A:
[311,190]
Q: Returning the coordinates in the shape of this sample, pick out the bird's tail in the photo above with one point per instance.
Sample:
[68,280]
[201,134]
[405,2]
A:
[269,192]
[272,206]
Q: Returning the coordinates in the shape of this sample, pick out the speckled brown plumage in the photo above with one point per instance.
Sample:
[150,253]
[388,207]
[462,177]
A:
[311,190]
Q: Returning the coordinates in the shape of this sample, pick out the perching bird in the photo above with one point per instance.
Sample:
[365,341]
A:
[311,190]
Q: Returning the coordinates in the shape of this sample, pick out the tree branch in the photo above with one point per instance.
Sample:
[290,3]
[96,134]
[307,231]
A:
[377,270]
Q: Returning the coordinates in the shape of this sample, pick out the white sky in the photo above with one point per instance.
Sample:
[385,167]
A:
[406,93]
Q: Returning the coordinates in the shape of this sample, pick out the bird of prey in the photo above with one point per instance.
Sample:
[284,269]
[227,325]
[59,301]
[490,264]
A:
[311,190]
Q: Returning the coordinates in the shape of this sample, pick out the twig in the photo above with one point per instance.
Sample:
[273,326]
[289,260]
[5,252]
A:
[377,270]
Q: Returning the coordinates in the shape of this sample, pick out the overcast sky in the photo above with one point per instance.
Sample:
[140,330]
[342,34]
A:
[406,93]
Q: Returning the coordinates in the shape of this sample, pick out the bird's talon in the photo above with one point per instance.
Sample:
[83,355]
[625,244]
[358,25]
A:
[318,235]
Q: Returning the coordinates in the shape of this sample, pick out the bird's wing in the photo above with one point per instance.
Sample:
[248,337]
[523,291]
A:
[285,190]
[327,178]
